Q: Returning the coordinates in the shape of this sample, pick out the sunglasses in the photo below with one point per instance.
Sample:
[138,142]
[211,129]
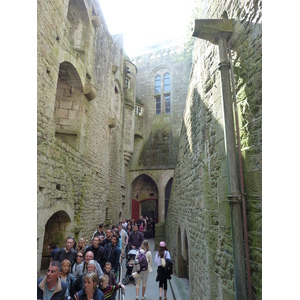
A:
[79,256]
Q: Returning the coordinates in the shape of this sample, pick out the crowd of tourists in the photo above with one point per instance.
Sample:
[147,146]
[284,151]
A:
[89,270]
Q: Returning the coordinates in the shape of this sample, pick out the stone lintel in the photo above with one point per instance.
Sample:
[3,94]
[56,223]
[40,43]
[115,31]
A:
[90,91]
[211,29]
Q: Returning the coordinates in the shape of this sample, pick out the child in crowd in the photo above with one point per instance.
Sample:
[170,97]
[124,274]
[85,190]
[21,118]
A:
[108,290]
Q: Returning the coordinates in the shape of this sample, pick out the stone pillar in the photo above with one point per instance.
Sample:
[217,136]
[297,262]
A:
[234,196]
[218,32]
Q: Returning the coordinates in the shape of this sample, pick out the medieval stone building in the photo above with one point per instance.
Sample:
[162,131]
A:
[85,121]
[155,134]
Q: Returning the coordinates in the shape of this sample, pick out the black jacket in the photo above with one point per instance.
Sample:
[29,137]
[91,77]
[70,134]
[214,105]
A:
[99,255]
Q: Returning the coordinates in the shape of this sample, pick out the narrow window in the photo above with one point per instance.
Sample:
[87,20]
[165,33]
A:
[158,105]
[167,104]
[167,83]
[127,82]
[157,84]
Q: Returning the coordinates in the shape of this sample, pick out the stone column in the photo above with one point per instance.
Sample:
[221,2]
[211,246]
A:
[218,31]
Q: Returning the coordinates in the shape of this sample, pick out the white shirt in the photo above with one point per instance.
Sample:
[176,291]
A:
[158,258]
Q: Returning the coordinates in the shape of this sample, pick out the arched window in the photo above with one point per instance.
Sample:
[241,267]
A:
[162,97]
[167,83]
[157,84]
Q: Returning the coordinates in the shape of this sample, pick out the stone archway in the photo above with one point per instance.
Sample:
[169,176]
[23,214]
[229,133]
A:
[57,229]
[144,195]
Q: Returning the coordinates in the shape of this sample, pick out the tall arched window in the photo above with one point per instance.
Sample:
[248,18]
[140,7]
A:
[162,96]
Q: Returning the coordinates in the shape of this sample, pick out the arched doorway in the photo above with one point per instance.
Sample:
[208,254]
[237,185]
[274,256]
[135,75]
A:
[57,229]
[144,195]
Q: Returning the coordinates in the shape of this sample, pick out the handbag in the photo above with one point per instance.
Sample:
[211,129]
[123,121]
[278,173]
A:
[163,262]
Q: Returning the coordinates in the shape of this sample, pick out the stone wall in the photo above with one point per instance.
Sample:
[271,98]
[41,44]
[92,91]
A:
[198,226]
[80,120]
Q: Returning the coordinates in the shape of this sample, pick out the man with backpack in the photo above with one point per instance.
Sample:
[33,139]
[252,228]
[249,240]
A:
[142,268]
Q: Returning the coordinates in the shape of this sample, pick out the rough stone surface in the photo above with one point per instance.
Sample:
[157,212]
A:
[199,211]
[80,168]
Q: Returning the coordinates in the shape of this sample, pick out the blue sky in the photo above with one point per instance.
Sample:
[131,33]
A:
[144,23]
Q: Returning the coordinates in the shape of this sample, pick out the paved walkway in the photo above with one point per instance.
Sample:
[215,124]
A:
[177,287]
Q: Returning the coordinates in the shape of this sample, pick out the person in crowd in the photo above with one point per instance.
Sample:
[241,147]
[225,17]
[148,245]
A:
[111,275]
[52,249]
[82,269]
[132,222]
[90,290]
[151,229]
[135,238]
[100,232]
[129,229]
[124,224]
[81,245]
[67,277]
[68,252]
[142,229]
[108,290]
[51,286]
[162,276]
[79,282]
[140,222]
[124,240]
[147,227]
[143,275]
[113,253]
[77,263]
[98,251]
[107,240]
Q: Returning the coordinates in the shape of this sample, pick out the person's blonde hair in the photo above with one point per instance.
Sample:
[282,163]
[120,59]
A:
[92,276]
[66,261]
[104,277]
[145,245]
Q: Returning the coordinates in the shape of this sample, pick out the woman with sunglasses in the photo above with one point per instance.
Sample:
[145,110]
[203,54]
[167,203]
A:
[77,263]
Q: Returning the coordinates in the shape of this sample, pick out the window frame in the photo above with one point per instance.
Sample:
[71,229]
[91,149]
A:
[162,92]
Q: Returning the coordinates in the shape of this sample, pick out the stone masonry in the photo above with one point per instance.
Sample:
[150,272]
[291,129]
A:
[198,227]
[82,100]
[103,151]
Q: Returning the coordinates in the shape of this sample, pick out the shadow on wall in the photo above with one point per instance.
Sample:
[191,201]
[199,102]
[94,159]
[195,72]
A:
[200,187]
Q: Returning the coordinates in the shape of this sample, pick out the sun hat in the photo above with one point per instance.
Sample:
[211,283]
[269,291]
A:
[162,244]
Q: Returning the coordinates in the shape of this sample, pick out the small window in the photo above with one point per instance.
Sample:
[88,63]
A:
[138,110]
[158,105]
[127,82]
[167,83]
[167,104]
[157,84]
[162,93]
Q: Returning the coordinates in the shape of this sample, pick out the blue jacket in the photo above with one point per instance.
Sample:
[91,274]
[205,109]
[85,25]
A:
[98,295]
[59,291]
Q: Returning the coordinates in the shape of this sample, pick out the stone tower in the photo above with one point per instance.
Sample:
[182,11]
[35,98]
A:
[162,81]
